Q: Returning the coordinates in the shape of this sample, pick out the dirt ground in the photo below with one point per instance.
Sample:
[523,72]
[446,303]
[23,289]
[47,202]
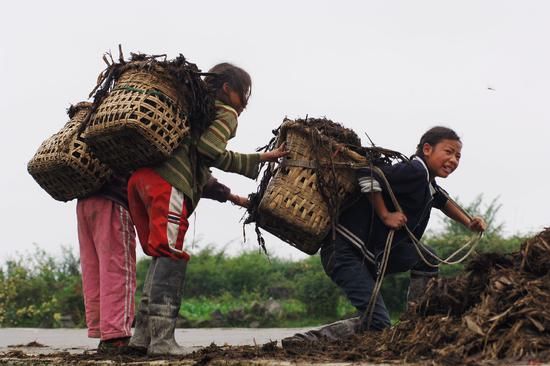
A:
[219,346]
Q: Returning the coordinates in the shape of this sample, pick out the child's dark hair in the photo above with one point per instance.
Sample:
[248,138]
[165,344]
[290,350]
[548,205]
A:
[434,135]
[238,79]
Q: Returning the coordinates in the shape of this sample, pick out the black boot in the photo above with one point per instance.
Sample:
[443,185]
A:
[164,306]
[142,334]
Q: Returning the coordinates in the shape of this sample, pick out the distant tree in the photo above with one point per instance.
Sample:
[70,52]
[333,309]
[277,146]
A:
[40,290]
[476,208]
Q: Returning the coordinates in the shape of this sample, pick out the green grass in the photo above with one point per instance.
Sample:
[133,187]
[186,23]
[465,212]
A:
[293,313]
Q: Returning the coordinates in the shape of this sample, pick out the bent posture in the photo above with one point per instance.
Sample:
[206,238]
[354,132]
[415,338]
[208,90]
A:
[352,259]
[162,198]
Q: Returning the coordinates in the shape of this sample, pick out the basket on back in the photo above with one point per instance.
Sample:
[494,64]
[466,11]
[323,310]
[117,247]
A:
[64,166]
[312,182]
[141,120]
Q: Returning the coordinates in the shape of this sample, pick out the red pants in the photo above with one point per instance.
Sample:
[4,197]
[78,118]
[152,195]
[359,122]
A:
[108,261]
[159,213]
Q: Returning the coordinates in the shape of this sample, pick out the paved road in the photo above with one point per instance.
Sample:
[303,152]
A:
[76,340]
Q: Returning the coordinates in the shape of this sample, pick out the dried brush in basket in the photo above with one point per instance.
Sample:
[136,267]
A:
[299,201]
[144,108]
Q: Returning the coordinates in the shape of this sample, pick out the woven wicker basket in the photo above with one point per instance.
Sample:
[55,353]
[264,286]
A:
[292,208]
[139,123]
[63,164]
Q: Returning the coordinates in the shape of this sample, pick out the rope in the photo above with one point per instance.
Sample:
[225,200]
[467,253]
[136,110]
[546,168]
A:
[368,314]
[419,246]
[369,311]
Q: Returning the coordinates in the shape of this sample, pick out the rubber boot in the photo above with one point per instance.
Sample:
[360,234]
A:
[164,305]
[335,331]
[142,334]
[417,288]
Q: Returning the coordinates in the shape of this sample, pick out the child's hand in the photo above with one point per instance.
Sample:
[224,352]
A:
[477,224]
[274,154]
[238,200]
[394,220]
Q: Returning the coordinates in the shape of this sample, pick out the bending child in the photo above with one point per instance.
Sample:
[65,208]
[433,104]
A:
[162,198]
[351,260]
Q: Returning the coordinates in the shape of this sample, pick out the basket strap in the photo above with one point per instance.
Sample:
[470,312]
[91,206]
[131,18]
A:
[312,164]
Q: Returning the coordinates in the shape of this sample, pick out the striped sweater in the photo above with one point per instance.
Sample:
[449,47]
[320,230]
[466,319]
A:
[189,174]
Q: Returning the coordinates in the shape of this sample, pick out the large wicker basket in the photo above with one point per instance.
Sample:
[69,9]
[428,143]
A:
[140,122]
[292,207]
[63,164]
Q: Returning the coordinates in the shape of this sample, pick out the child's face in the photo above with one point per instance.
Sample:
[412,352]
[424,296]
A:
[235,101]
[443,158]
[233,98]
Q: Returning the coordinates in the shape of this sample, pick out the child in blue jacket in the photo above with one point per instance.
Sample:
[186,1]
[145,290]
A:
[352,259]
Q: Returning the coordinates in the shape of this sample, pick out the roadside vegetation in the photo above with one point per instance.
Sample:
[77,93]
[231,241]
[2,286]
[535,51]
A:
[248,290]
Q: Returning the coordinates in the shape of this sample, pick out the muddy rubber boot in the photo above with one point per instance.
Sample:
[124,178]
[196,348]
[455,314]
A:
[142,334]
[335,331]
[417,287]
[164,305]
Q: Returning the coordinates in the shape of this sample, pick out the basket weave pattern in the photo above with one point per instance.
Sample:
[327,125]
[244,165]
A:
[139,123]
[64,166]
[292,207]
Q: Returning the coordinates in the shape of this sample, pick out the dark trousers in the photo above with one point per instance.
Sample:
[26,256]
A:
[356,276]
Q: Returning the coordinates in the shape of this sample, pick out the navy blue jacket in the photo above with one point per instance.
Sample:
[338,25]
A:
[416,195]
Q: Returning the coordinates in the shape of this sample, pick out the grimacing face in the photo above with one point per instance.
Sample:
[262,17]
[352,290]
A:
[443,158]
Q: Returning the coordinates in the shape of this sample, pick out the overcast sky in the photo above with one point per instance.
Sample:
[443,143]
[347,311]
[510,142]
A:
[389,68]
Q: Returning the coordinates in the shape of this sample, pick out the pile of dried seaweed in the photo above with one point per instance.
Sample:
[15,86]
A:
[497,309]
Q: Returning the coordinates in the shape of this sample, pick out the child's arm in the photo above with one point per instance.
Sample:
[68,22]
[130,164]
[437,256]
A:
[220,192]
[239,200]
[213,143]
[370,186]
[393,220]
[476,224]
[274,154]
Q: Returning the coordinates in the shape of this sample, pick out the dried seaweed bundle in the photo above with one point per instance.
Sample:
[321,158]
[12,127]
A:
[144,108]
[333,130]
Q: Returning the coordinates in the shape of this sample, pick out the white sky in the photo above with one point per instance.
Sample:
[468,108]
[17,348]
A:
[389,68]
